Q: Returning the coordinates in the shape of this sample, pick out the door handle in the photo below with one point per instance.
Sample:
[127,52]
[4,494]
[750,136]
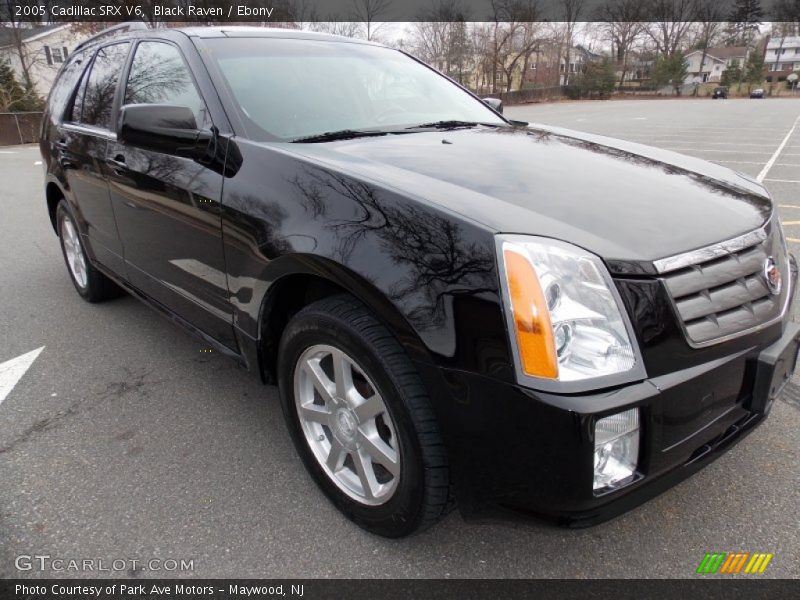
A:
[117,164]
[117,161]
[63,147]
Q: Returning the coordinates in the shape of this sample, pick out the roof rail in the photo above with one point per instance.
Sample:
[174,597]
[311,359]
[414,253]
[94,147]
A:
[110,31]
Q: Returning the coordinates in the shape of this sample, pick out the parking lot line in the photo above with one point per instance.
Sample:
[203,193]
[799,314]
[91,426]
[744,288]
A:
[710,127]
[778,150]
[786,181]
[713,150]
[790,222]
[794,240]
[687,143]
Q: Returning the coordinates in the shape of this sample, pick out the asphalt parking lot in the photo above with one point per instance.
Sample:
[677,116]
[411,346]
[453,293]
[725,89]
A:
[125,441]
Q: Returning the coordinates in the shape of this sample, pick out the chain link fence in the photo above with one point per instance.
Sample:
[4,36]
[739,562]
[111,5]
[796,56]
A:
[19,128]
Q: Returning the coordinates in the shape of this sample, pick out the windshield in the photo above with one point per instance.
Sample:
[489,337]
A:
[291,88]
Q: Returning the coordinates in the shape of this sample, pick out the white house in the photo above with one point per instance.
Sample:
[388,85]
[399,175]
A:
[782,56]
[39,50]
[715,63]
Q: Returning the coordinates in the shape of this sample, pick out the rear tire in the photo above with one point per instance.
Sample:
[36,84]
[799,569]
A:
[373,444]
[90,283]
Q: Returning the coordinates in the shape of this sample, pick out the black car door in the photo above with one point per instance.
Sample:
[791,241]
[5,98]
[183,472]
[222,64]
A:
[167,207]
[83,144]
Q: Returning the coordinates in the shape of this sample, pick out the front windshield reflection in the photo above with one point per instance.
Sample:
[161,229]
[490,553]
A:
[291,88]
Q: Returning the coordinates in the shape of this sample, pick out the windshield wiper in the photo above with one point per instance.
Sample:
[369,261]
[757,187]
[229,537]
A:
[452,124]
[342,134]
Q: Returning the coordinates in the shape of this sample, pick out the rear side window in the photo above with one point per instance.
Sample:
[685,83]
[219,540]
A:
[159,75]
[98,98]
[65,85]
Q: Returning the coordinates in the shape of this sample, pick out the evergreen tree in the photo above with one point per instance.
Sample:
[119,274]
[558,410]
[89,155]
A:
[597,79]
[670,69]
[458,46]
[12,96]
[732,74]
[743,22]
[754,69]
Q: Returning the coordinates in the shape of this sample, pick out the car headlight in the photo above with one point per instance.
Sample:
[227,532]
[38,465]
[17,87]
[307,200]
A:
[566,321]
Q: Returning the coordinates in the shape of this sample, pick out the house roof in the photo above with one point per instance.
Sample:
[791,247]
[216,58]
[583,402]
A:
[709,57]
[784,42]
[725,53]
[28,33]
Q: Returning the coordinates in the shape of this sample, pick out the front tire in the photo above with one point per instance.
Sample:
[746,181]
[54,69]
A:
[90,283]
[361,419]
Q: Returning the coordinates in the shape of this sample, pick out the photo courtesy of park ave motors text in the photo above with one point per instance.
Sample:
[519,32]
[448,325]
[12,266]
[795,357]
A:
[470,289]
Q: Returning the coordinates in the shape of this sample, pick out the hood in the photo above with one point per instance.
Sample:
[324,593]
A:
[626,202]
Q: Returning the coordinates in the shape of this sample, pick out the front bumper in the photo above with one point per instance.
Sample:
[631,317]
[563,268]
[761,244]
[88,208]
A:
[519,450]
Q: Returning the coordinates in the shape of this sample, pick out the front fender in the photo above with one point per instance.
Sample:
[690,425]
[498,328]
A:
[429,274]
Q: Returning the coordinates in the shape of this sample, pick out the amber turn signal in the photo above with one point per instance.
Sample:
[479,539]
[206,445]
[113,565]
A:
[534,331]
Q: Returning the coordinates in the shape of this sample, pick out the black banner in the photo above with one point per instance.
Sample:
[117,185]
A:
[307,11]
[374,589]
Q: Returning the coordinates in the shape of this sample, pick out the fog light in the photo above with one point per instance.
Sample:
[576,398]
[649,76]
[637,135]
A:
[616,449]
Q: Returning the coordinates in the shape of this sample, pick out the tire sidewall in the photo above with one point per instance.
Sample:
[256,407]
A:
[401,513]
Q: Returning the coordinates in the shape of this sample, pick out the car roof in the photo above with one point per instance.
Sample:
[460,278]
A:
[120,32]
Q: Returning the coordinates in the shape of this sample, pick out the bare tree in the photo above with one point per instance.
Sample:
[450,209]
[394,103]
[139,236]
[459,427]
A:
[572,12]
[351,29]
[441,38]
[27,59]
[369,12]
[672,23]
[514,36]
[622,25]
[709,25]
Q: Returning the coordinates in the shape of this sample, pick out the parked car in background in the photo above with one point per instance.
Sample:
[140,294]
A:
[757,93]
[719,92]
[457,308]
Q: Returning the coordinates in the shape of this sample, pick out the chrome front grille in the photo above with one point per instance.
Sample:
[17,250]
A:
[721,291]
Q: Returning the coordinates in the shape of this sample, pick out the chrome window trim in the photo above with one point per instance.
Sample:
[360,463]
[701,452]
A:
[701,255]
[88,130]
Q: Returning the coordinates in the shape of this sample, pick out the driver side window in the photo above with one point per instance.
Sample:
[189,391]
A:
[159,75]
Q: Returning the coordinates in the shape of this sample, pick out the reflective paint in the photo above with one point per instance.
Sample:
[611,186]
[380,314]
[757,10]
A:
[12,371]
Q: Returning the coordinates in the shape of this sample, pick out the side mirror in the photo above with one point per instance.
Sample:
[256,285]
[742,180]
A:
[494,103]
[163,128]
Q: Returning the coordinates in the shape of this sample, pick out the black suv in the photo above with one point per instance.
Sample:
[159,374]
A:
[456,307]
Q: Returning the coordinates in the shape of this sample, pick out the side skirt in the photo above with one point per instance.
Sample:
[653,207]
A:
[239,357]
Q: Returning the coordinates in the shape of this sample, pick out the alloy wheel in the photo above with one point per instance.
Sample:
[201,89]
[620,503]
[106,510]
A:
[346,424]
[74,253]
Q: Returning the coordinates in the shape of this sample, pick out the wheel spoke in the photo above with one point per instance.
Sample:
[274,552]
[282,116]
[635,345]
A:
[365,473]
[336,456]
[381,453]
[369,408]
[324,386]
[342,375]
[315,413]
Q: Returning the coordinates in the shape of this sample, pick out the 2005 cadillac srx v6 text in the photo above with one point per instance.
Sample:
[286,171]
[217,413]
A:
[458,309]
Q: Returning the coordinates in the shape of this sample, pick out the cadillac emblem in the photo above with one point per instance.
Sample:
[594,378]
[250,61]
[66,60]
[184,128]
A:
[772,276]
